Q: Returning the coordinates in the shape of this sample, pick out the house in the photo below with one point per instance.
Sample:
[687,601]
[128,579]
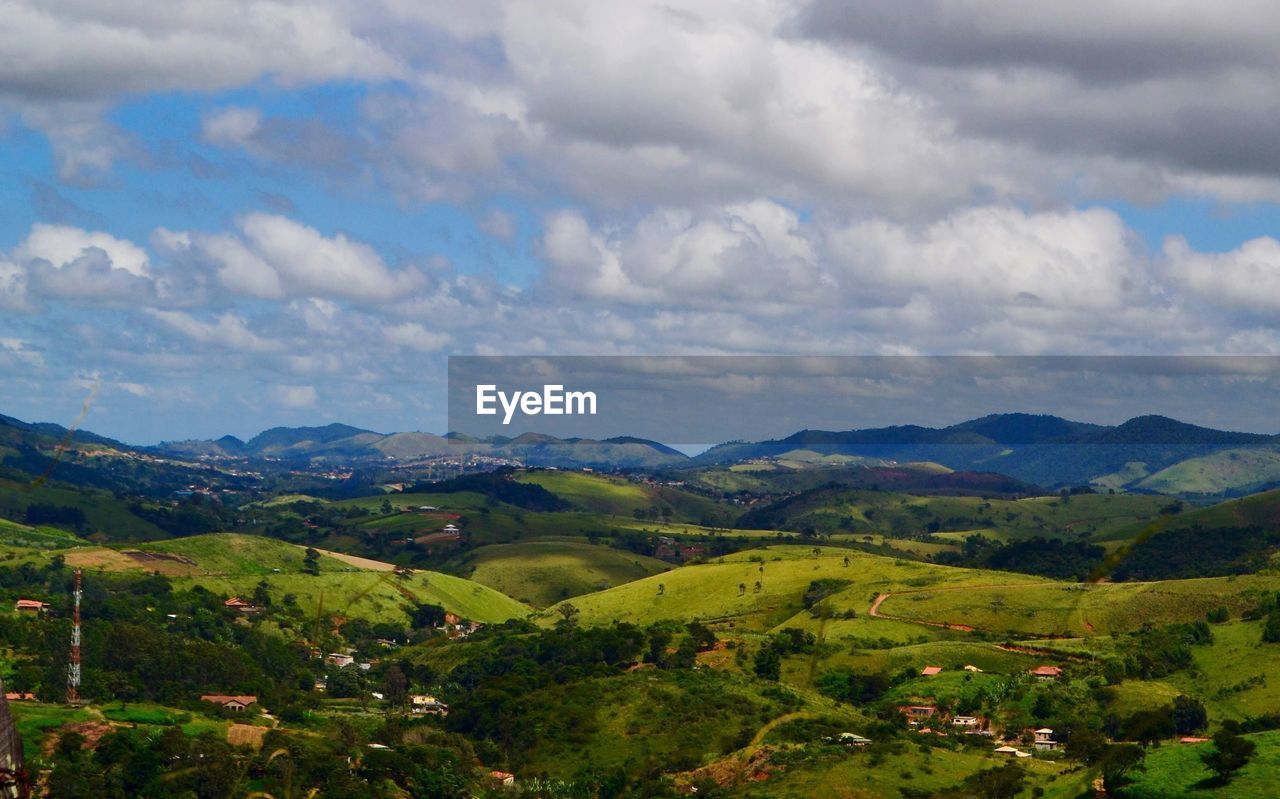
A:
[972,668]
[915,712]
[237,704]
[851,739]
[452,530]
[30,606]
[1046,672]
[340,660]
[423,703]
[1044,739]
[966,722]
[15,696]
[1192,739]
[502,779]
[451,619]
[929,671]
[236,603]
[1009,751]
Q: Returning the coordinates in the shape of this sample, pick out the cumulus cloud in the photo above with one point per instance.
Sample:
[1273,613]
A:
[274,257]
[63,244]
[1246,278]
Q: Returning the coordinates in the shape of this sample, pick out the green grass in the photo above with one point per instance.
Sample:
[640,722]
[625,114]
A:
[20,535]
[1080,610]
[377,596]
[103,512]
[1227,471]
[1175,771]
[1237,675]
[543,571]
[711,591]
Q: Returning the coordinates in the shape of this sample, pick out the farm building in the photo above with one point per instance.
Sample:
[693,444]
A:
[929,671]
[236,603]
[502,779]
[30,606]
[237,704]
[1046,672]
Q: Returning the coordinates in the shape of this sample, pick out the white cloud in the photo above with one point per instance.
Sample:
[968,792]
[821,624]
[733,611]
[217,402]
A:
[296,397]
[226,331]
[1246,278]
[414,336]
[275,257]
[62,244]
[231,127]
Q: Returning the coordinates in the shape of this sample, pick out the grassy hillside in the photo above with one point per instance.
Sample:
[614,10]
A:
[1259,509]
[1069,609]
[228,563]
[712,591]
[544,571]
[615,496]
[1175,772]
[1232,471]
[905,515]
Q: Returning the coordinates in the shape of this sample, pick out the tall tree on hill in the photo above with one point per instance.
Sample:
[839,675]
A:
[1230,753]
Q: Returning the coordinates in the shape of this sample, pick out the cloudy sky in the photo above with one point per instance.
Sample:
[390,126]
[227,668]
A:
[259,212]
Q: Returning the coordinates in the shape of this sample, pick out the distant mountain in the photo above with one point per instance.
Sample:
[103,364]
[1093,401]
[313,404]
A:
[1049,451]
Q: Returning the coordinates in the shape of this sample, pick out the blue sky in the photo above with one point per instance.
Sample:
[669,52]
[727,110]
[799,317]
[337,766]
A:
[246,215]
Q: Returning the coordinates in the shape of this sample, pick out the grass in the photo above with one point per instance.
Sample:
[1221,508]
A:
[1176,772]
[234,564]
[544,571]
[1070,609]
[711,591]
[1235,675]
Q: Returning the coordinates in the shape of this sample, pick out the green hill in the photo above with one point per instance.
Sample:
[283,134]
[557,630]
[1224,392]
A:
[547,570]
[229,563]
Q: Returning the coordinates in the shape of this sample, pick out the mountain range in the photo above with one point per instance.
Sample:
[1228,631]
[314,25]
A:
[1147,453]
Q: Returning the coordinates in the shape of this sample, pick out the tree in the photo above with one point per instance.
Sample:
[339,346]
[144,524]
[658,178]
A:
[311,562]
[568,615]
[1004,782]
[1189,715]
[701,635]
[427,615]
[1118,762]
[1271,630]
[1230,753]
[387,510]
[262,594]
[662,589]
[395,686]
[768,664]
[1087,745]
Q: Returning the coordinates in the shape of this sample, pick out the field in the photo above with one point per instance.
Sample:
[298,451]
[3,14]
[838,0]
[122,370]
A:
[234,564]
[543,571]
[715,591]
[1071,609]
[1176,771]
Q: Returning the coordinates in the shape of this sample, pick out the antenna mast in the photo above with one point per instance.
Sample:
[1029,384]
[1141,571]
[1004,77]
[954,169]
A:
[73,665]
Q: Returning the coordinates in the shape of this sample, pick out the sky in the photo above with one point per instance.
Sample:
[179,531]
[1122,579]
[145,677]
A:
[229,216]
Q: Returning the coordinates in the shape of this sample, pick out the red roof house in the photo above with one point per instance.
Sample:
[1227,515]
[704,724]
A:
[1046,672]
[235,703]
[929,671]
[30,606]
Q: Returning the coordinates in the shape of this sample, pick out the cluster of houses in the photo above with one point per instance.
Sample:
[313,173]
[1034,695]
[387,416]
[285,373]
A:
[670,549]
[927,720]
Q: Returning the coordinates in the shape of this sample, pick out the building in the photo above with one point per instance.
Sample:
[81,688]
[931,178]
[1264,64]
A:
[1009,751]
[966,722]
[1046,672]
[30,606]
[502,779]
[339,659]
[917,712]
[427,705]
[452,530]
[236,603]
[851,739]
[929,671]
[1044,739]
[236,704]
[1192,739]
[24,696]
